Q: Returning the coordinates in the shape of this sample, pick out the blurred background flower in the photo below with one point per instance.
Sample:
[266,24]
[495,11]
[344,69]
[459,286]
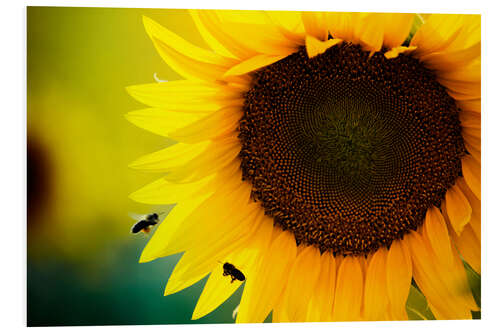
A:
[82,260]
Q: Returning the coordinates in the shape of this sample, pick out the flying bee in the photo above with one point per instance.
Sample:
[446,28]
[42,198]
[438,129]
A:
[235,273]
[145,223]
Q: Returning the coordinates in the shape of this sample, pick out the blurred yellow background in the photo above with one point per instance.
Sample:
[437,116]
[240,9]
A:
[82,260]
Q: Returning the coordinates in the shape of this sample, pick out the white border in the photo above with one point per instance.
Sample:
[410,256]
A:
[13,190]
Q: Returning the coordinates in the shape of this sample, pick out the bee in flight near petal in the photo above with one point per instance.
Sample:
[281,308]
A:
[235,273]
[145,222]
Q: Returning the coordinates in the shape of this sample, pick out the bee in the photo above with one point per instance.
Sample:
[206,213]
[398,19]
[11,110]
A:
[145,223]
[235,273]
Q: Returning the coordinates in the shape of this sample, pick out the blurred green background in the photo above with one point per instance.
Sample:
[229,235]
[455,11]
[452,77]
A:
[82,260]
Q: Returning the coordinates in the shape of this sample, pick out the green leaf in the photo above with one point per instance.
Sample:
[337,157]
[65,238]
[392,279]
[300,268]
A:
[417,22]
[475,287]
[417,307]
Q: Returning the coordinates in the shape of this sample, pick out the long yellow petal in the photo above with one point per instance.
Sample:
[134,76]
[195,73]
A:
[217,124]
[445,287]
[471,170]
[214,220]
[170,158]
[200,260]
[399,275]
[259,38]
[223,239]
[473,105]
[458,208]
[207,36]
[470,119]
[253,63]
[209,23]
[342,25]
[159,121]
[396,27]
[186,96]
[436,232]
[218,287]
[471,88]
[300,285]
[348,290]
[262,291]
[449,61]
[162,192]
[186,59]
[321,304]
[469,247]
[375,292]
[437,33]
[315,24]
[315,46]
[166,231]
[396,51]
[475,203]
[218,154]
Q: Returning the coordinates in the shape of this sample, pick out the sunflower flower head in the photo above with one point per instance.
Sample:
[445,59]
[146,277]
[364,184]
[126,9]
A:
[330,158]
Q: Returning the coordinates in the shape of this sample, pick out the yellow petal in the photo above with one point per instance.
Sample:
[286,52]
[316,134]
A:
[399,275]
[207,36]
[470,88]
[300,285]
[170,158]
[321,304]
[371,33]
[471,170]
[343,25]
[471,73]
[290,20]
[258,38]
[470,119]
[218,287]
[186,59]
[473,105]
[315,46]
[315,24]
[215,220]
[437,33]
[185,96]
[217,124]
[217,36]
[223,238]
[218,154]
[396,27]
[159,121]
[162,192]
[436,232]
[375,291]
[395,51]
[445,287]
[348,290]
[449,61]
[178,282]
[165,231]
[252,64]
[475,221]
[458,208]
[469,247]
[262,291]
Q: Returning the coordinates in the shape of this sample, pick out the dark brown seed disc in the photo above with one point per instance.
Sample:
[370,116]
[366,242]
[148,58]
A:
[349,151]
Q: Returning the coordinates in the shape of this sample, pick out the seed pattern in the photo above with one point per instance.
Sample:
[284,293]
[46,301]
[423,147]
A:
[348,151]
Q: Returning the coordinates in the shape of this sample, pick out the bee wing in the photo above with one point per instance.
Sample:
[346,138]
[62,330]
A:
[137,217]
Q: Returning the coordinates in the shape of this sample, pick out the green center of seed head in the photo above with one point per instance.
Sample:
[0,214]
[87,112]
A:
[348,138]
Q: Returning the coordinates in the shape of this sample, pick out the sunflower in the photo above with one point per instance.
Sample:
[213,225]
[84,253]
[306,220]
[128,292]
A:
[333,158]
